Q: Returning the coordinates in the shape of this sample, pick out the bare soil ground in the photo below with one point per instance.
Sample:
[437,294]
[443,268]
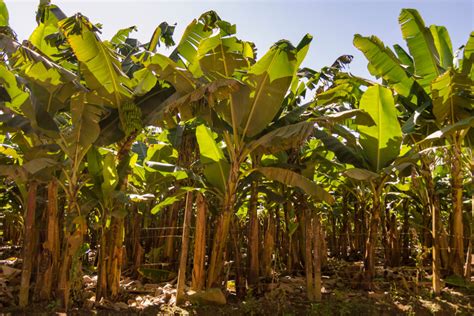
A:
[397,291]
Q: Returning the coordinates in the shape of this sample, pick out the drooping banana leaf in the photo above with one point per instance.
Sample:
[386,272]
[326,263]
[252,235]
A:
[168,70]
[98,62]
[280,139]
[163,33]
[48,17]
[453,98]
[343,152]
[85,129]
[294,179]
[467,123]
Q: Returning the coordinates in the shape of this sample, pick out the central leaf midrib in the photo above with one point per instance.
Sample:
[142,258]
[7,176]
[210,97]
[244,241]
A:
[259,91]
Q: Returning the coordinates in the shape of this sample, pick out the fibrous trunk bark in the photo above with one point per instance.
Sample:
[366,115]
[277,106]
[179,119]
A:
[468,264]
[222,229]
[369,259]
[457,248]
[180,288]
[28,247]
[199,278]
[313,253]
[219,243]
[51,245]
[268,246]
[253,251]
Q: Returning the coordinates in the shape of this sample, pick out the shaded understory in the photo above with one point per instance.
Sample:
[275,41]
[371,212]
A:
[398,291]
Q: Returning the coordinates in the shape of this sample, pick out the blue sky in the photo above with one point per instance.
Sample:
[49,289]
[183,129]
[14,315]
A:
[332,23]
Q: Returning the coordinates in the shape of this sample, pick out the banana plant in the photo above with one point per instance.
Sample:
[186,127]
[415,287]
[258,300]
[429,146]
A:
[432,84]
[246,115]
[372,156]
[242,113]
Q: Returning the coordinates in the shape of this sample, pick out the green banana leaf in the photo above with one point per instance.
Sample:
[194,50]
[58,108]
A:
[216,166]
[386,65]
[294,179]
[98,63]
[421,45]
[4,16]
[451,103]
[381,142]
[270,79]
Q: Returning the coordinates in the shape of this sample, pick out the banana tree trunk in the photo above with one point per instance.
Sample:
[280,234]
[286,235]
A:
[457,248]
[199,277]
[136,252]
[111,252]
[317,252]
[170,249]
[219,243]
[313,251]
[28,248]
[268,246]
[115,256]
[222,228]
[468,264]
[308,262]
[70,264]
[180,288]
[253,251]
[240,286]
[369,259]
[51,246]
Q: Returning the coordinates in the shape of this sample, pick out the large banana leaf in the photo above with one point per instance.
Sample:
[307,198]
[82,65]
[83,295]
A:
[220,56]
[361,174]
[17,97]
[85,129]
[443,45]
[186,50]
[99,64]
[405,58]
[4,16]
[270,79]
[294,179]
[448,130]
[109,174]
[166,69]
[381,143]
[163,33]
[343,152]
[386,65]
[216,167]
[48,18]
[468,60]
[421,45]
[452,97]
[282,138]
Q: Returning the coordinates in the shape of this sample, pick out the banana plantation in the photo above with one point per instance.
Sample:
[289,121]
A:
[217,177]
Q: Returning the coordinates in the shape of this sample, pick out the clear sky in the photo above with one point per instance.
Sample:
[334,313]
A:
[332,23]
